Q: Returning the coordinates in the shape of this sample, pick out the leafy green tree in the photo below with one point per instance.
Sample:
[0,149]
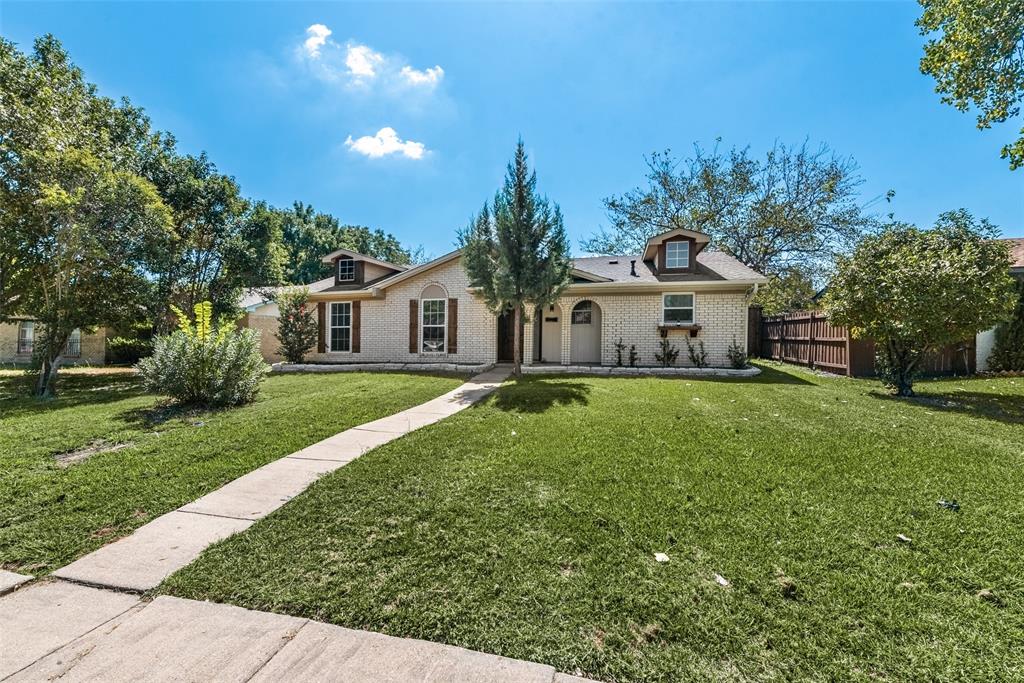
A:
[308,236]
[914,291]
[1008,349]
[516,250]
[978,60]
[222,245]
[793,210]
[790,290]
[81,225]
[297,328]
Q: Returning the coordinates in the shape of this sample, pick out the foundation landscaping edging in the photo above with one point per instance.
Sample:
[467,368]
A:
[462,369]
[617,371]
[527,369]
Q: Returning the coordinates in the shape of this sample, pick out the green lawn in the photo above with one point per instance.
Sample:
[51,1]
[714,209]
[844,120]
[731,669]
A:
[53,512]
[527,527]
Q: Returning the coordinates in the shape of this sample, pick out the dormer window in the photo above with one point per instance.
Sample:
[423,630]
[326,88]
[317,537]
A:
[346,270]
[677,254]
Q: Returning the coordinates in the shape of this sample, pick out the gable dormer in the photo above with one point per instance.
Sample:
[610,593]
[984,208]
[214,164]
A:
[354,269]
[675,252]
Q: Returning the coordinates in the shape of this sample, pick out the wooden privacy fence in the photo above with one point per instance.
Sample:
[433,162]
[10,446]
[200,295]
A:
[808,338]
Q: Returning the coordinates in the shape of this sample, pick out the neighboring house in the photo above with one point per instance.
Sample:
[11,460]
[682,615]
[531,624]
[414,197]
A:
[17,339]
[986,340]
[374,311]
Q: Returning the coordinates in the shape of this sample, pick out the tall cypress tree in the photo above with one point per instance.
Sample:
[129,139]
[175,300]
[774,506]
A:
[516,250]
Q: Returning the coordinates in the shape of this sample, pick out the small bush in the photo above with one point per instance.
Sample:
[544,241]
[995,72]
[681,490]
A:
[297,327]
[619,349]
[1008,350]
[634,357]
[128,350]
[737,356]
[205,364]
[698,356]
[668,355]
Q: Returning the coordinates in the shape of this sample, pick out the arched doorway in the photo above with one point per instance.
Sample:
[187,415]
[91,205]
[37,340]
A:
[547,334]
[585,333]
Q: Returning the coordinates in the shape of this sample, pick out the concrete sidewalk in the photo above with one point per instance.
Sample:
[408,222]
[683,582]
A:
[141,561]
[89,624]
[68,632]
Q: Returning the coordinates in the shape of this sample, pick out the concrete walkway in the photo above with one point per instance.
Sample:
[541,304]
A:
[142,561]
[89,623]
[56,630]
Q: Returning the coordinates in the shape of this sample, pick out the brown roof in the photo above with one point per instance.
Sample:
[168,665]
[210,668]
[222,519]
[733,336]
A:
[1017,251]
[711,265]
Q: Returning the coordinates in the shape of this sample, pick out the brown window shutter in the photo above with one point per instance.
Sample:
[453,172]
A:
[321,321]
[360,269]
[414,324]
[356,325]
[453,325]
[661,257]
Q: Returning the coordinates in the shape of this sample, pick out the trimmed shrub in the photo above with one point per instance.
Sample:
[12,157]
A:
[128,350]
[668,354]
[205,364]
[737,356]
[297,327]
[698,356]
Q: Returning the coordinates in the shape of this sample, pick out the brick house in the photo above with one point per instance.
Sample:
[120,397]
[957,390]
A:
[372,311]
[17,340]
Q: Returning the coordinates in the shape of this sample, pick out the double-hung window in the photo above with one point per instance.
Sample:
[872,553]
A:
[677,309]
[346,270]
[434,325]
[73,349]
[26,333]
[677,254]
[341,327]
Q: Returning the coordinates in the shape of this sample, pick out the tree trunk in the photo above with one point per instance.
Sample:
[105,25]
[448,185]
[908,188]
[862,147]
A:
[46,385]
[517,369]
[903,363]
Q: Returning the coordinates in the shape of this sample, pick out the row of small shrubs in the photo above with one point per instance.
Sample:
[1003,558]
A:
[667,354]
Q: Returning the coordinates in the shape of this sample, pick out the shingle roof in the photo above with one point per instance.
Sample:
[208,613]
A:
[255,297]
[1017,251]
[711,265]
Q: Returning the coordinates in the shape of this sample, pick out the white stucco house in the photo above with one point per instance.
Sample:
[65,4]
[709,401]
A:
[371,311]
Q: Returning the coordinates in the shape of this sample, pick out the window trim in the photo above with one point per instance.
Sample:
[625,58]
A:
[330,326]
[337,269]
[692,308]
[443,326]
[668,258]
[26,343]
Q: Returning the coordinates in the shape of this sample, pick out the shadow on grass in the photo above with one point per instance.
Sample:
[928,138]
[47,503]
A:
[1004,408]
[535,395]
[16,398]
[165,411]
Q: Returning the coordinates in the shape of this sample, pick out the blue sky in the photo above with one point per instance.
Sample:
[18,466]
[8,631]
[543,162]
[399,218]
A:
[591,88]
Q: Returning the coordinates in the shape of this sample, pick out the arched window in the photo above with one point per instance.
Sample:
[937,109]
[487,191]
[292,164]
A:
[434,322]
[26,333]
[583,313]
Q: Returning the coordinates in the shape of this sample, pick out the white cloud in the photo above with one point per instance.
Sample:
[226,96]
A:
[317,36]
[430,77]
[384,143]
[361,61]
[359,65]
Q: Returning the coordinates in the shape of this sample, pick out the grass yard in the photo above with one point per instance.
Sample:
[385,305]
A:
[527,527]
[105,458]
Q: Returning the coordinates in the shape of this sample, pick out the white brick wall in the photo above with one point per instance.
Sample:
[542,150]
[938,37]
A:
[385,323]
[635,319]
